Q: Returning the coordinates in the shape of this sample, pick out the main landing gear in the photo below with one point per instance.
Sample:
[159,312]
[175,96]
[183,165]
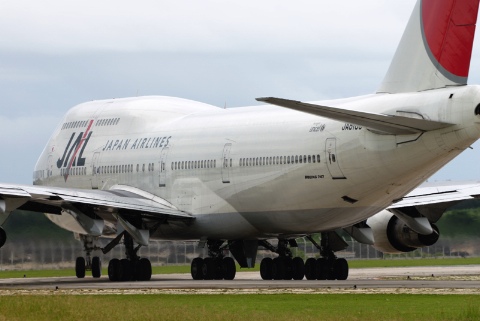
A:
[284,267]
[87,263]
[132,268]
[216,266]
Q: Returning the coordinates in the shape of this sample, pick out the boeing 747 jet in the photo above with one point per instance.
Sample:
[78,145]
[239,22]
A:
[162,168]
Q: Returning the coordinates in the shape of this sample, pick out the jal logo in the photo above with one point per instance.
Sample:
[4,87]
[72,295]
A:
[73,153]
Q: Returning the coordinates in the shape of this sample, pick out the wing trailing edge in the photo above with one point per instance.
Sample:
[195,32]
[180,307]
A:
[386,124]
[47,199]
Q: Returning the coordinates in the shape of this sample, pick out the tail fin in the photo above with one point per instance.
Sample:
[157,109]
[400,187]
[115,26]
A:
[436,47]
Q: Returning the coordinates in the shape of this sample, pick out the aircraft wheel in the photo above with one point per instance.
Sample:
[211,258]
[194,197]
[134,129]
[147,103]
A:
[114,270]
[208,268]
[278,268]
[219,271]
[266,268]
[80,267]
[196,268]
[321,269]
[126,270]
[229,268]
[310,269]
[287,261]
[146,267]
[143,270]
[298,268]
[340,268]
[96,267]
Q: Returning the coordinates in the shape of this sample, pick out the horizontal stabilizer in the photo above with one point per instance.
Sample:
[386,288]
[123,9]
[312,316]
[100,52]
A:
[388,124]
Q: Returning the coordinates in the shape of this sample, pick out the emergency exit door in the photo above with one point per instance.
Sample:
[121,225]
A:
[332,159]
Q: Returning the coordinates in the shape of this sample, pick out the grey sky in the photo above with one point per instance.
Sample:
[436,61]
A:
[56,54]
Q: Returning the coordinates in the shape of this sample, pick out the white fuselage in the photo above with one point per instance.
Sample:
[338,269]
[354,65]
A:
[256,172]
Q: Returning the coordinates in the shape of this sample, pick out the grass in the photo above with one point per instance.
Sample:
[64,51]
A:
[359,264]
[240,307]
[169,269]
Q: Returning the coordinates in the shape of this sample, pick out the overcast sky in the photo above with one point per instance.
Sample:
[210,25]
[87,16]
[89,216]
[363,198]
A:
[56,54]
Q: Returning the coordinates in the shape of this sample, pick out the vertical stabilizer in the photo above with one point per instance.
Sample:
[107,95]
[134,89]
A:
[435,49]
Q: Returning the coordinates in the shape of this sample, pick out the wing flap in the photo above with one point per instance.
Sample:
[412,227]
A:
[388,124]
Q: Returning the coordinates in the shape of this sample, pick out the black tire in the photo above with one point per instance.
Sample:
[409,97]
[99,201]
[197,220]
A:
[3,237]
[96,267]
[144,272]
[278,268]
[311,269]
[126,270]
[80,267]
[298,267]
[196,268]
[208,268]
[321,269]
[219,271]
[114,270]
[266,268]
[229,268]
[340,268]
[331,274]
[287,261]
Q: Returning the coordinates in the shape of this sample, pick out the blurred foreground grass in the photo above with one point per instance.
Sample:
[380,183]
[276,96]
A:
[240,307]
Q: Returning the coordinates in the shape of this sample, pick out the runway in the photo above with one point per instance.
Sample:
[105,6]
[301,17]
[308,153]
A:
[438,279]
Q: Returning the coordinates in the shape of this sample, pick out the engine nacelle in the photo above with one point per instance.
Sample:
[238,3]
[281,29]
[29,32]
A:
[393,236]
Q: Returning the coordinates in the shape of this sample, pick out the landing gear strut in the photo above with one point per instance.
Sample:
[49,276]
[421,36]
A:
[214,267]
[87,263]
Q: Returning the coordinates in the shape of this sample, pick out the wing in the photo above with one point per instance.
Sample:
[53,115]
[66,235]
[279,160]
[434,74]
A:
[132,208]
[421,207]
[427,203]
[389,124]
[439,195]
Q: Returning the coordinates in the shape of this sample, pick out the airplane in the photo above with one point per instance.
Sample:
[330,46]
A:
[164,168]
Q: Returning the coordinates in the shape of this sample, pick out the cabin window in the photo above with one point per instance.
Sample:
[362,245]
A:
[318,158]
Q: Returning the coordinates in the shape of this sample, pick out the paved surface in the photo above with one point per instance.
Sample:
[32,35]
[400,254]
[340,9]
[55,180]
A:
[450,279]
